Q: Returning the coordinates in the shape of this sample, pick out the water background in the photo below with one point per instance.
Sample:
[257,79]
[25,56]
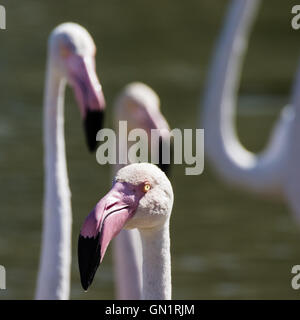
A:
[226,243]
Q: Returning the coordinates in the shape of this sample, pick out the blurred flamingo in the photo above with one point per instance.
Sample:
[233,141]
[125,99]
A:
[275,170]
[71,58]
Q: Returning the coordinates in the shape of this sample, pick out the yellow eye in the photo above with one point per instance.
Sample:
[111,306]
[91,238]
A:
[146,187]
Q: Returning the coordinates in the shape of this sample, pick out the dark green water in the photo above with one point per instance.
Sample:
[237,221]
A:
[225,242]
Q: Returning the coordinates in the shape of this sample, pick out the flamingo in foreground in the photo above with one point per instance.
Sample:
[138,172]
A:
[139,105]
[71,58]
[141,197]
[274,171]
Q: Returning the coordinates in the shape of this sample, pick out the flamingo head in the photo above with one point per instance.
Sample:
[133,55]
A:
[73,51]
[139,105]
[141,197]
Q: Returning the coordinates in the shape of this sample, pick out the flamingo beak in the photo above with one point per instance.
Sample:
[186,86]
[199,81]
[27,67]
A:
[165,167]
[158,123]
[89,95]
[105,221]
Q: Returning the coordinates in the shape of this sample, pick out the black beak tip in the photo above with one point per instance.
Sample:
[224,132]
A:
[88,259]
[85,285]
[93,122]
[166,168]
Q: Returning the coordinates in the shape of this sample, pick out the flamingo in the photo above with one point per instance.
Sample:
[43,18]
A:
[274,171]
[71,58]
[139,105]
[141,197]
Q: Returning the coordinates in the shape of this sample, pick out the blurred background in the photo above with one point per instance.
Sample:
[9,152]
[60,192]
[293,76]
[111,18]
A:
[226,243]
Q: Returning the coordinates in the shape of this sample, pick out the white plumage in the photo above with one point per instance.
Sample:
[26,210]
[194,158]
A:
[274,171]
[141,197]
[139,105]
[70,60]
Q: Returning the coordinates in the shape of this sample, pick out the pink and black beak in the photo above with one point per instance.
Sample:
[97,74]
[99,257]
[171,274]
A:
[89,95]
[105,221]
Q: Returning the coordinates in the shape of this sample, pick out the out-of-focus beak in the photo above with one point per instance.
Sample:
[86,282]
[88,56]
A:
[158,122]
[165,167]
[89,95]
[100,227]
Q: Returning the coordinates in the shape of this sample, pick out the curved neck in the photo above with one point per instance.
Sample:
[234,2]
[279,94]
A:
[231,159]
[54,273]
[156,263]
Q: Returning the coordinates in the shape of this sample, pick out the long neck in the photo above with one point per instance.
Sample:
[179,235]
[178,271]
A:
[156,264]
[54,273]
[127,253]
[236,164]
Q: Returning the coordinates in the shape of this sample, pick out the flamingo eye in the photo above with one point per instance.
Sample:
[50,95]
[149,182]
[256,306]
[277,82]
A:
[146,187]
